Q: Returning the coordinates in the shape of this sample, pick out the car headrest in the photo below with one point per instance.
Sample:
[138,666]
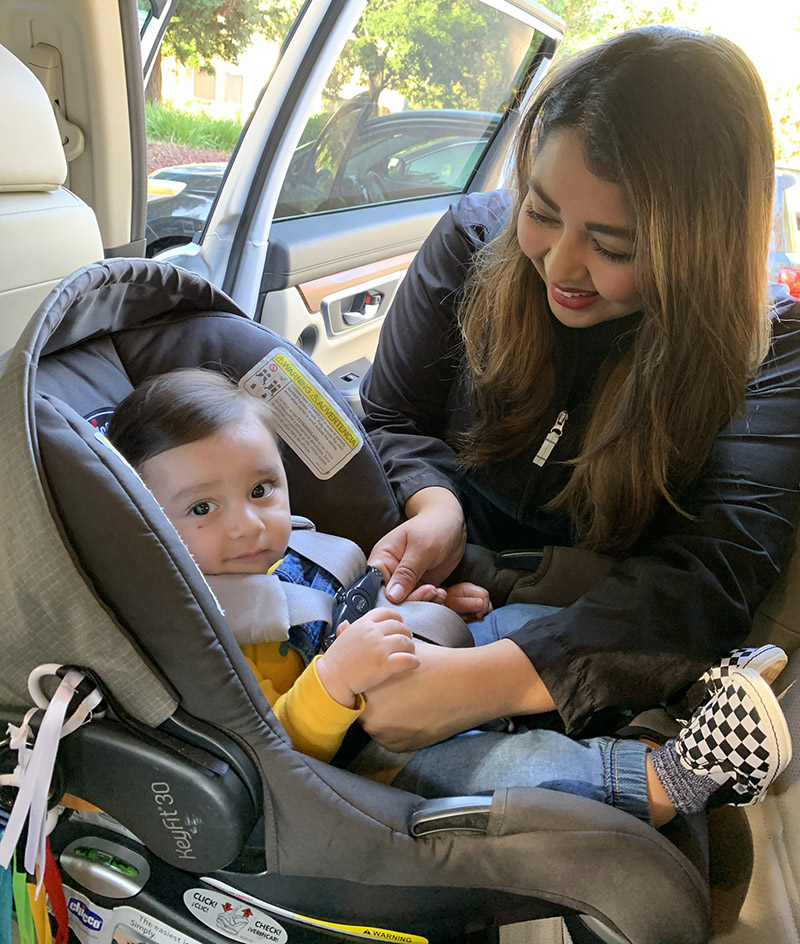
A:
[32,157]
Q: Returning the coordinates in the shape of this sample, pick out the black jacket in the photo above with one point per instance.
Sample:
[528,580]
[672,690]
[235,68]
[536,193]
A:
[687,593]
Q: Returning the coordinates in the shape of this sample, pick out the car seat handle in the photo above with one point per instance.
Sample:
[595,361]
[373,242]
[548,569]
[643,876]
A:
[464,814]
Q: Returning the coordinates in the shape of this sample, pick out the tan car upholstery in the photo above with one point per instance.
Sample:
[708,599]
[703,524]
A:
[756,852]
[46,232]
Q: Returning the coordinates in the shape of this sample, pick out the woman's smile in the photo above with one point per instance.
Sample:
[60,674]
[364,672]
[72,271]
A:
[572,298]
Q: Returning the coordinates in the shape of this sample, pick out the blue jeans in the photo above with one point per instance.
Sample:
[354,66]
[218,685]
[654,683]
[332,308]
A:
[606,769]
[506,619]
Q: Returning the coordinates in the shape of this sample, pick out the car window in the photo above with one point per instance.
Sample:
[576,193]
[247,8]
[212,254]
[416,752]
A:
[403,117]
[408,110]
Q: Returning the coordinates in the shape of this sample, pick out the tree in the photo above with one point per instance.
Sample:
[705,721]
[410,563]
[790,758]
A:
[203,30]
[436,53]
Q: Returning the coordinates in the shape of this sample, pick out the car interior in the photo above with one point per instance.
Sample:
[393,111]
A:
[312,851]
[46,232]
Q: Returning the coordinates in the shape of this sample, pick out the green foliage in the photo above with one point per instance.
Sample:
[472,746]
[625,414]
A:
[786,118]
[314,125]
[278,16]
[583,22]
[202,30]
[436,53]
[170,125]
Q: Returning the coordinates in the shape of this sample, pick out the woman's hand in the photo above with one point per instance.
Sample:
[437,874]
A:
[426,547]
[468,600]
[451,691]
[364,654]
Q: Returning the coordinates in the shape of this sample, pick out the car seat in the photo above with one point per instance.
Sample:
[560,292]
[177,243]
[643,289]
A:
[208,812]
[46,232]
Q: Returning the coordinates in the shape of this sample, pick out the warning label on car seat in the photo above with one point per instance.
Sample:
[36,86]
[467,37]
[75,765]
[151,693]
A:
[233,918]
[253,919]
[307,418]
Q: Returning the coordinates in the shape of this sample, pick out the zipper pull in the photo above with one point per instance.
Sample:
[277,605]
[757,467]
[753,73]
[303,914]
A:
[551,439]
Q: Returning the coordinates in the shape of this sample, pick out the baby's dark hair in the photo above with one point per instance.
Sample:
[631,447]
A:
[178,408]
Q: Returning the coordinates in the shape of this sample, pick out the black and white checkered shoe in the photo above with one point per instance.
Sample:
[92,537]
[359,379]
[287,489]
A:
[739,738]
[769,661]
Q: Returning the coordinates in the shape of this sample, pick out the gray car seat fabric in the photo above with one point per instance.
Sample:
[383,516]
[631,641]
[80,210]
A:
[92,574]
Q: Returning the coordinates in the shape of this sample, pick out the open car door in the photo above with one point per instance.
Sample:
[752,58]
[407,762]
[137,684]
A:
[409,109]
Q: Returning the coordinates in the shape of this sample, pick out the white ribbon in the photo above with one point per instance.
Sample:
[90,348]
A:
[34,771]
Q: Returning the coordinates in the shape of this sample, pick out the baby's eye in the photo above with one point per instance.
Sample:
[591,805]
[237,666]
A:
[262,490]
[202,508]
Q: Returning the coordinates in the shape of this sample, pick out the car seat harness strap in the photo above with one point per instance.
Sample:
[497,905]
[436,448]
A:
[34,771]
[262,607]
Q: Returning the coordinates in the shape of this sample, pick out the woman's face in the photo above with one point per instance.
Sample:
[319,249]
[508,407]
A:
[578,233]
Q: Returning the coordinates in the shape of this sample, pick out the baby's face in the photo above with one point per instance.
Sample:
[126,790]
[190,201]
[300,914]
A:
[227,497]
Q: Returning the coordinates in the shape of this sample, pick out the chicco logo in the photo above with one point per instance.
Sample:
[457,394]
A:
[86,917]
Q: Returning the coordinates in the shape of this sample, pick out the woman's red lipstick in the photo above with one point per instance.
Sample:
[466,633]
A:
[573,299]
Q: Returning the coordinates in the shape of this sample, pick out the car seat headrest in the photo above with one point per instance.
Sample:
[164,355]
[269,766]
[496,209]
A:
[33,158]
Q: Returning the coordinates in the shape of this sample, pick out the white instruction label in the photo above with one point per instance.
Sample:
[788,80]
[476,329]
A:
[233,918]
[306,416]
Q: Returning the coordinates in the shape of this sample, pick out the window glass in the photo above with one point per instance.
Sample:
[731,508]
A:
[410,106]
[407,112]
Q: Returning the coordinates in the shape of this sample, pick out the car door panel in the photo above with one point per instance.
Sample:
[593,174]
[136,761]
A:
[316,279]
[306,249]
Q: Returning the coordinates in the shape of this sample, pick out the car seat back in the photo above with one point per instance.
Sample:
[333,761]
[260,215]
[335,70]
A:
[46,232]
[71,525]
[92,574]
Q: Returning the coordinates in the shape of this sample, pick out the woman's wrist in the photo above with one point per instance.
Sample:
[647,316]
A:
[435,499]
[510,674]
[452,691]
[496,681]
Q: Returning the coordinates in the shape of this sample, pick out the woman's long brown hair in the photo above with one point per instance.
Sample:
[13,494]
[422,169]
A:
[680,121]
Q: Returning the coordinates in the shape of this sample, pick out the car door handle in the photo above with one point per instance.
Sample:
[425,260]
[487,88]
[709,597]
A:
[365,307]
[358,304]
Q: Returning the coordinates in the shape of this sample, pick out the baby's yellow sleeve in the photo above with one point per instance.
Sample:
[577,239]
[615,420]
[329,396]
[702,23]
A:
[315,722]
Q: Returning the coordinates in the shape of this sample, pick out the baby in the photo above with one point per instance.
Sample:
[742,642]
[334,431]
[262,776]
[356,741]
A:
[206,450]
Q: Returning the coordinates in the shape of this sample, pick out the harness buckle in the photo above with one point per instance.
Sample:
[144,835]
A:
[354,602]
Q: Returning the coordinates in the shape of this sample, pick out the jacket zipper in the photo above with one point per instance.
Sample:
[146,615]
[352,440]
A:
[551,439]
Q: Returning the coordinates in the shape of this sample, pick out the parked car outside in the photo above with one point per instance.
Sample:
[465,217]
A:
[178,201]
[355,160]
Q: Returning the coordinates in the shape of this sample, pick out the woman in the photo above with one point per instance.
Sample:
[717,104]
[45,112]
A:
[619,299]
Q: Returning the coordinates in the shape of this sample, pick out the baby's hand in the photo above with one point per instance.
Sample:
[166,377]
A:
[364,654]
[468,600]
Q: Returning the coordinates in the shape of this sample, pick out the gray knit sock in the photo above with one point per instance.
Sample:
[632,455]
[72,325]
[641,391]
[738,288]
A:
[687,791]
